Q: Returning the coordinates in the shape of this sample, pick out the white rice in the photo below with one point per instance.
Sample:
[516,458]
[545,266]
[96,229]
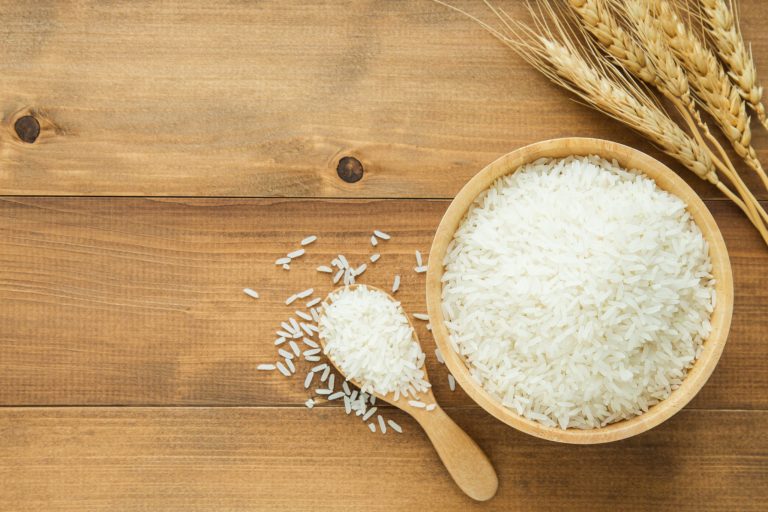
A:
[295,348]
[309,403]
[431,407]
[420,270]
[308,380]
[325,268]
[421,316]
[284,353]
[251,293]
[280,340]
[296,253]
[382,425]
[381,234]
[306,328]
[397,428]
[308,342]
[375,257]
[578,293]
[439,356]
[305,293]
[416,403]
[374,242]
[283,369]
[303,316]
[314,302]
[290,300]
[320,367]
[282,261]
[418,259]
[266,367]
[309,240]
[369,338]
[372,427]
[451,382]
[396,283]
[286,266]
[289,364]
[336,395]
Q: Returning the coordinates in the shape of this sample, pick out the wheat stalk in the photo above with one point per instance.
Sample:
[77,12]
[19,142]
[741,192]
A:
[721,22]
[714,91]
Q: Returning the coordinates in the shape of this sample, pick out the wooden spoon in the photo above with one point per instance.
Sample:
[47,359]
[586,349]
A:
[465,461]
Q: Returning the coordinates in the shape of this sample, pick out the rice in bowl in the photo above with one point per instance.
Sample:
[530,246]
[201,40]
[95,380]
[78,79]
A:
[578,293]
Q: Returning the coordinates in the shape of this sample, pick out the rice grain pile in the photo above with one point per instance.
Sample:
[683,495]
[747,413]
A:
[369,338]
[577,292]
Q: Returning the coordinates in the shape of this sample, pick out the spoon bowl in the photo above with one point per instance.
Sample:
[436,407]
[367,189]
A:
[463,458]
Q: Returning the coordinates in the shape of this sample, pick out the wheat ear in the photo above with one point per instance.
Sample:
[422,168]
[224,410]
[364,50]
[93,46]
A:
[598,20]
[721,23]
[714,90]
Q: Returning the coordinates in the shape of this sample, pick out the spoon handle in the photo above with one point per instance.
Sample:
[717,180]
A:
[465,461]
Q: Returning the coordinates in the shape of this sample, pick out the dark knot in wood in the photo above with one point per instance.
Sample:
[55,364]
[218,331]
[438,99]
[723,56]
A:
[350,169]
[27,128]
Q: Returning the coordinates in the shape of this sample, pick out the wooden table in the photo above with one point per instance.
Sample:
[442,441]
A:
[182,148]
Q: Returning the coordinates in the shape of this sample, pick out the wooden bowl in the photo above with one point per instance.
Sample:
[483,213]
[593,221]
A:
[666,179]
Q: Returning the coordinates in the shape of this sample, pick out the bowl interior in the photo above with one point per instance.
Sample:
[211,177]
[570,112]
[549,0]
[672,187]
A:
[666,179]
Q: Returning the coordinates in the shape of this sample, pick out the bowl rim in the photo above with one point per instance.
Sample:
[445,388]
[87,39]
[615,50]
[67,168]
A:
[666,179]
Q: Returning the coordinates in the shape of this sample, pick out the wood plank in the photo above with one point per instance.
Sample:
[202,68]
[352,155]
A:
[263,98]
[249,459]
[139,301]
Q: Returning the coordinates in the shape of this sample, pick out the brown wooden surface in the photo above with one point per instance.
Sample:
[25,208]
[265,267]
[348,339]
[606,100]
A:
[201,459]
[263,98]
[137,302]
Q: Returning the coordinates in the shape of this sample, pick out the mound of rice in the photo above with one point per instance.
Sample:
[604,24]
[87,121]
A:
[577,292]
[369,338]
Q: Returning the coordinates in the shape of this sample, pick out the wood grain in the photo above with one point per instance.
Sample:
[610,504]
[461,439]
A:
[237,459]
[139,301]
[264,98]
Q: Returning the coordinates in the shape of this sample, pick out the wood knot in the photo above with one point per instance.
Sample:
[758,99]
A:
[350,169]
[27,128]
